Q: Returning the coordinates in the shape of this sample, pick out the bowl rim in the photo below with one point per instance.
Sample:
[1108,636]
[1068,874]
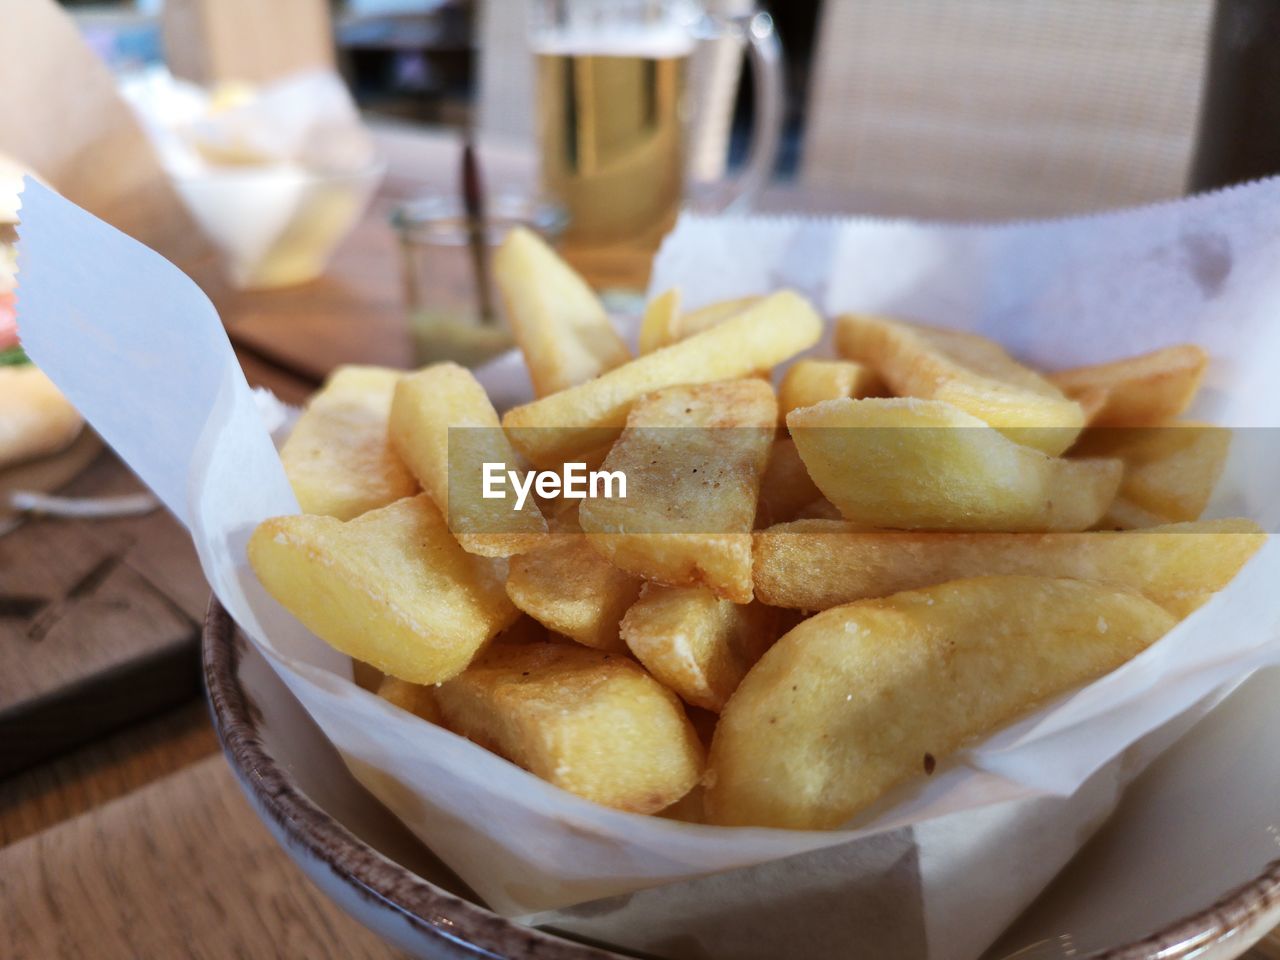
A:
[461,924]
[428,908]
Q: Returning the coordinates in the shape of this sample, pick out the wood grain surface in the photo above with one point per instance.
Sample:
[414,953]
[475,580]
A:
[99,619]
[99,622]
[181,868]
[45,795]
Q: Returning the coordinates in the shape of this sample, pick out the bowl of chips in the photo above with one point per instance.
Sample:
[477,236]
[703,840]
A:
[806,599]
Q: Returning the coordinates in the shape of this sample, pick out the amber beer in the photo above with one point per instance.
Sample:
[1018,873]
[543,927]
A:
[612,134]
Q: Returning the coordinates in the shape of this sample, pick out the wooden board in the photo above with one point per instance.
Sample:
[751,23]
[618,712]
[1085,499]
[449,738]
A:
[99,622]
[99,619]
[140,877]
[50,793]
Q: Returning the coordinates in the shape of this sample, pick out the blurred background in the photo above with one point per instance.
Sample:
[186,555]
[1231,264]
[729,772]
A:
[1150,70]
[419,61]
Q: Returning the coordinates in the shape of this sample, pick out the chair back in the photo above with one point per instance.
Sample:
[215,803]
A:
[993,108]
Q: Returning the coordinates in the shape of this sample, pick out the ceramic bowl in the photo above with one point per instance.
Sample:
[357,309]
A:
[1188,868]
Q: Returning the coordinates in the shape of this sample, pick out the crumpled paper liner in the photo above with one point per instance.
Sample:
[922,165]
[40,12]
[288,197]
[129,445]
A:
[942,870]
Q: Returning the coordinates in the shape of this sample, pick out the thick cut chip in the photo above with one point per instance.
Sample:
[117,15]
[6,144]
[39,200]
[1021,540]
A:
[415,698]
[392,587]
[861,698]
[561,326]
[1138,391]
[923,464]
[693,458]
[661,316]
[818,564]
[967,371]
[585,418]
[445,428]
[811,381]
[1169,471]
[695,643]
[570,589]
[664,325]
[590,722]
[338,458]
[704,318]
[1126,515]
[786,487]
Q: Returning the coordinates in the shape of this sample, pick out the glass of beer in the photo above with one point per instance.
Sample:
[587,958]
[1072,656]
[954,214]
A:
[612,78]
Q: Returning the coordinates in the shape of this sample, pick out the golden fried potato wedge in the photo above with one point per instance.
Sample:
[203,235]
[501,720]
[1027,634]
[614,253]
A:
[863,697]
[338,458]
[573,422]
[1137,391]
[392,587]
[570,589]
[924,464]
[560,325]
[819,564]
[967,371]
[663,324]
[444,427]
[1169,471]
[696,644]
[693,458]
[1126,515]
[590,722]
[786,487]
[713,314]
[661,317]
[415,698]
[807,382]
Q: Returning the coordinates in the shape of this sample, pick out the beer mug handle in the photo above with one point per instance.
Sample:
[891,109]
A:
[757,32]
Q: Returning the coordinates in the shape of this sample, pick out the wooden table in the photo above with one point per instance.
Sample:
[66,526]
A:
[105,852]
[138,877]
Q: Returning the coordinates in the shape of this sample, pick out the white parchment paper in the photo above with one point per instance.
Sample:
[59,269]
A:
[941,868]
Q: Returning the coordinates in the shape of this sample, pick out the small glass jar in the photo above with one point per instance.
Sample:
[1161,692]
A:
[446,309]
